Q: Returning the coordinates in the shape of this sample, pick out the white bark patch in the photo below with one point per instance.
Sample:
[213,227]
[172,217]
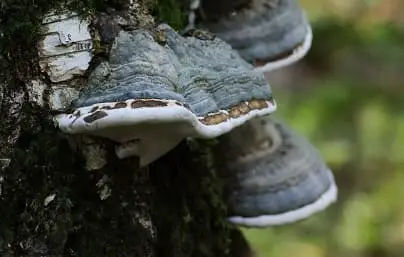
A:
[103,187]
[49,199]
[36,91]
[66,49]
[61,96]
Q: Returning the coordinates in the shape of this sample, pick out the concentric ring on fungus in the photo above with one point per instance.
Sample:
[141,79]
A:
[272,176]
[271,34]
[150,96]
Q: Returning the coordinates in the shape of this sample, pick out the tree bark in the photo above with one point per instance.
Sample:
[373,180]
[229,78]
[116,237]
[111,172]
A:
[56,199]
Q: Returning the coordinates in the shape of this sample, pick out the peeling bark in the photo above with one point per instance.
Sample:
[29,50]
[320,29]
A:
[71,196]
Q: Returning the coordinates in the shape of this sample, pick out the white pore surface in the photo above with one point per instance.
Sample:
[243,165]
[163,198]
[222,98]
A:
[262,221]
[149,150]
[297,54]
[157,129]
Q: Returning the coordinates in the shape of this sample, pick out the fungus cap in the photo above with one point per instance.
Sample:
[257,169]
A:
[269,33]
[151,95]
[272,176]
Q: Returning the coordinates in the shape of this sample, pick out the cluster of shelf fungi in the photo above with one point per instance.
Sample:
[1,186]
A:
[160,86]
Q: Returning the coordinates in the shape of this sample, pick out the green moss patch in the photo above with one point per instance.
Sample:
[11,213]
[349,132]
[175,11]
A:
[172,12]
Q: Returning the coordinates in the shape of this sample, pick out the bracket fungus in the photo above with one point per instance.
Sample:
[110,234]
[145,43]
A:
[152,93]
[272,176]
[269,33]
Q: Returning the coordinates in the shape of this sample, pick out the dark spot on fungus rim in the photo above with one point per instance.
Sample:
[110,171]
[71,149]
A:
[214,119]
[119,105]
[257,104]
[107,107]
[95,116]
[238,110]
[94,109]
[148,103]
[178,103]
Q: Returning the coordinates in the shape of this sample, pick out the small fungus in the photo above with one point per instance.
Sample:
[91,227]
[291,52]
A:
[271,34]
[149,96]
[272,176]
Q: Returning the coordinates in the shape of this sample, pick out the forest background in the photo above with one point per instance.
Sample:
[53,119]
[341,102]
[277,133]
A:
[347,96]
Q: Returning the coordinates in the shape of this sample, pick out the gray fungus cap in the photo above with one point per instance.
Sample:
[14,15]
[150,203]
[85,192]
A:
[153,93]
[272,176]
[269,33]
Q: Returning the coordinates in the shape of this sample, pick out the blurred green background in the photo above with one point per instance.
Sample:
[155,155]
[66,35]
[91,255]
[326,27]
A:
[347,96]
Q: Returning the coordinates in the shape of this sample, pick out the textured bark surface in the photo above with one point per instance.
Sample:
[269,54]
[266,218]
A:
[52,205]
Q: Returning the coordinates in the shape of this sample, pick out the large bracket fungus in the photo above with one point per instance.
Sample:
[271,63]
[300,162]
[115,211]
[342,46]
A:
[159,88]
[269,33]
[272,176]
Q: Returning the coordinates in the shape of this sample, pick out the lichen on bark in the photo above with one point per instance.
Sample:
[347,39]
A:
[50,205]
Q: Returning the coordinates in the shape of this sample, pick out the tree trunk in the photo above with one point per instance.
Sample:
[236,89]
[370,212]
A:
[71,196]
